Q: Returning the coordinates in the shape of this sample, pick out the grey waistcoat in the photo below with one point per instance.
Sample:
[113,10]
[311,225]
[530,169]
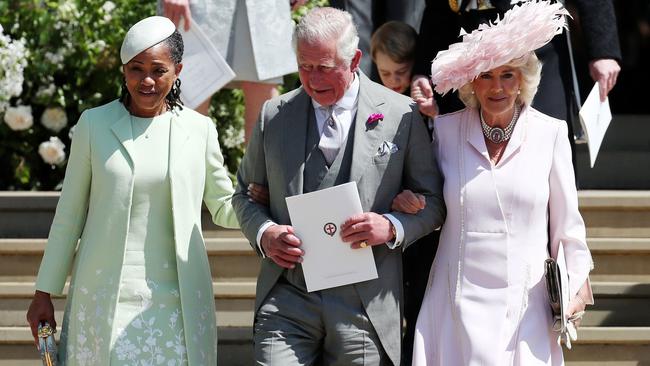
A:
[317,176]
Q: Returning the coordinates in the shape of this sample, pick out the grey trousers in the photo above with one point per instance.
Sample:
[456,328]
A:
[328,328]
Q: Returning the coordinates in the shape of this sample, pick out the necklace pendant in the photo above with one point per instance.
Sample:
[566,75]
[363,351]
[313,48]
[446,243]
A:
[497,135]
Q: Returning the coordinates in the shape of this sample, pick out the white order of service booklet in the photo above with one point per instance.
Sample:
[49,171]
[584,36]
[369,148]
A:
[595,117]
[316,218]
[204,70]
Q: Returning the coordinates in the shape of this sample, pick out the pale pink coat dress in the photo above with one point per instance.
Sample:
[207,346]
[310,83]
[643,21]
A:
[486,301]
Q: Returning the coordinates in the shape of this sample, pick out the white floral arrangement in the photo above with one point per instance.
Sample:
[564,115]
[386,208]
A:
[19,118]
[59,58]
[234,137]
[13,60]
[52,151]
[54,119]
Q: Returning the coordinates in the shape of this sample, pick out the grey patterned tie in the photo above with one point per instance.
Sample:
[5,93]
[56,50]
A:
[331,138]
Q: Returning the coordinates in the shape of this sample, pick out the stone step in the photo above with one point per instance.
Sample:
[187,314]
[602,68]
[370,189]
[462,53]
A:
[616,214]
[610,346]
[617,303]
[596,346]
[234,348]
[229,255]
[620,259]
[608,213]
[621,304]
[221,242]
[234,300]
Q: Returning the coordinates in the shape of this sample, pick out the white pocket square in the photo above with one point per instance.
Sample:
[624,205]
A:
[387,148]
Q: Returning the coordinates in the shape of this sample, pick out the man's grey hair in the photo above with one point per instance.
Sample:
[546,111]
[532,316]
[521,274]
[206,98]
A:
[323,24]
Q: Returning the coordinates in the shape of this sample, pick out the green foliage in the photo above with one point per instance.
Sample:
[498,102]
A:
[227,109]
[72,64]
[301,11]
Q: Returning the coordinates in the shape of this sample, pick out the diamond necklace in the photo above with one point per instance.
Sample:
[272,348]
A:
[497,134]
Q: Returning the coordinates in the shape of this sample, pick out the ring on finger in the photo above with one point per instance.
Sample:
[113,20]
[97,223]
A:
[363,244]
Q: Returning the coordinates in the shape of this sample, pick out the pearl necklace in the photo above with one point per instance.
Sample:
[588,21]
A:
[497,134]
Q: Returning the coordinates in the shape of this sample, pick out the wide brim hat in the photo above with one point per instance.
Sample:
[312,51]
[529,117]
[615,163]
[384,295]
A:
[144,34]
[522,30]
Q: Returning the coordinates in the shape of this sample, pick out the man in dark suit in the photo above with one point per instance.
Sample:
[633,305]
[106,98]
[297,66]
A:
[338,127]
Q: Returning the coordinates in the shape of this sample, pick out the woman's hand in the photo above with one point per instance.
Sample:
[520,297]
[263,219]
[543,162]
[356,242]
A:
[258,193]
[40,310]
[295,4]
[408,202]
[576,310]
[177,9]
[422,94]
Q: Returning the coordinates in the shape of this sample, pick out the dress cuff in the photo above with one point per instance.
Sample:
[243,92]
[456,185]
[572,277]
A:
[586,293]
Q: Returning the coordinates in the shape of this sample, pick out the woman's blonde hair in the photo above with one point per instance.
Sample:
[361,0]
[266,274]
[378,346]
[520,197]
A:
[531,72]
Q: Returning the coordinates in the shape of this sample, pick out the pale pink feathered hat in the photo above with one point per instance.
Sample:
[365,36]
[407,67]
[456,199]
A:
[523,29]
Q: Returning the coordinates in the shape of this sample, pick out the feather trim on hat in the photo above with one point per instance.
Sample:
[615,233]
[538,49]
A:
[523,29]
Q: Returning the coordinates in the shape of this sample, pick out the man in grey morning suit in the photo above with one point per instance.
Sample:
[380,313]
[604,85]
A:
[316,137]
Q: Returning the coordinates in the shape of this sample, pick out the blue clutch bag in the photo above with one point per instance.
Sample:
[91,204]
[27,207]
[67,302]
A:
[47,344]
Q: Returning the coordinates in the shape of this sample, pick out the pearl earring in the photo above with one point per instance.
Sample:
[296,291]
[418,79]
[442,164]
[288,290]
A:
[518,91]
[472,92]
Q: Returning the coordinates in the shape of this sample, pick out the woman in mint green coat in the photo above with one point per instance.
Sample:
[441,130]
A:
[139,169]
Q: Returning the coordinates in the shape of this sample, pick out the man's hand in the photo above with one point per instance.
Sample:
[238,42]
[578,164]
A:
[282,246]
[175,9]
[422,94]
[605,72]
[258,193]
[295,4]
[369,228]
[40,310]
[408,202]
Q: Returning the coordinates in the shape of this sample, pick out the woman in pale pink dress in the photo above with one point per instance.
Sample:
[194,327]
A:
[510,191]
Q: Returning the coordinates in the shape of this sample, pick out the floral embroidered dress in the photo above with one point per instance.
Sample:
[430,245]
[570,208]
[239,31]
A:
[148,327]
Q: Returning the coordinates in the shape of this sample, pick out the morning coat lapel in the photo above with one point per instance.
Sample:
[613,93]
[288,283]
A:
[124,133]
[367,139]
[295,119]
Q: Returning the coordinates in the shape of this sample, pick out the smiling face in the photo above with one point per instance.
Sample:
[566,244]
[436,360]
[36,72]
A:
[496,91]
[149,77]
[394,75]
[324,76]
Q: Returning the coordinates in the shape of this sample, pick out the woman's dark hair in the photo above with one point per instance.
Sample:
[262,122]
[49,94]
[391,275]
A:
[173,99]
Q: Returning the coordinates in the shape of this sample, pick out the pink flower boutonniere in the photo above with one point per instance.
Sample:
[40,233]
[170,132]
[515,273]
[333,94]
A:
[373,120]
